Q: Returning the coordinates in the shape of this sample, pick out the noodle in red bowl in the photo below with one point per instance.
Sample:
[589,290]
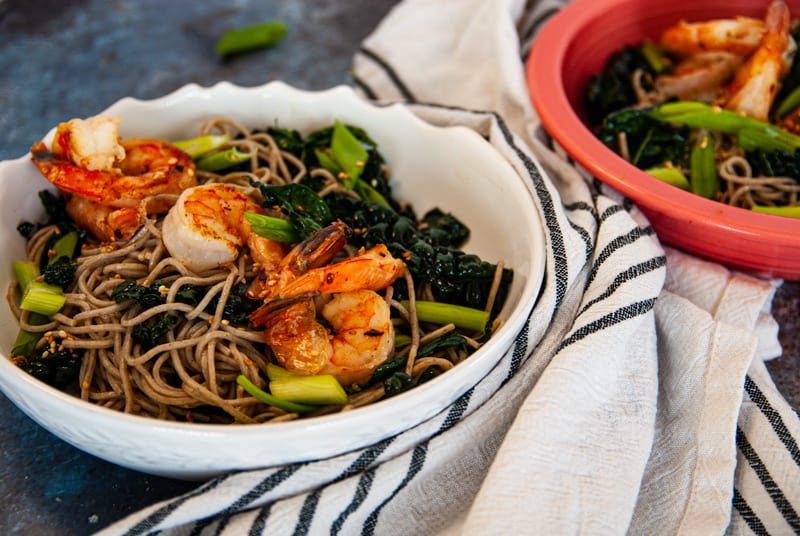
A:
[573,47]
[168,338]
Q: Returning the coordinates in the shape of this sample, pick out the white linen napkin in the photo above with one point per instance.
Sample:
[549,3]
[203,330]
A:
[635,400]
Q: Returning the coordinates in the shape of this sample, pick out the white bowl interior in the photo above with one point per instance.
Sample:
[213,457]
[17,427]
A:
[452,168]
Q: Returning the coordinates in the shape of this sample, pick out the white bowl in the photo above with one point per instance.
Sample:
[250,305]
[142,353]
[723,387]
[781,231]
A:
[452,168]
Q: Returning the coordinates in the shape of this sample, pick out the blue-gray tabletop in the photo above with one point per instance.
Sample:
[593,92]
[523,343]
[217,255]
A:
[61,59]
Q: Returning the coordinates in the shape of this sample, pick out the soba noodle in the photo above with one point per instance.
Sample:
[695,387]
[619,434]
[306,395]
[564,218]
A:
[192,374]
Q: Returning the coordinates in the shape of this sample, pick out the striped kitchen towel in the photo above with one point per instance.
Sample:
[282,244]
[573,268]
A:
[634,400]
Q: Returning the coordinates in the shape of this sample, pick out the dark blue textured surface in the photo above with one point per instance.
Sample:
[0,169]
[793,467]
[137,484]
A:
[61,59]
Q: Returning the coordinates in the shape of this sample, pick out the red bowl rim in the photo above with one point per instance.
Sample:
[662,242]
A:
[544,78]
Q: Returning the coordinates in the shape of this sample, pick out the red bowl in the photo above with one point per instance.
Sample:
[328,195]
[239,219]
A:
[574,44]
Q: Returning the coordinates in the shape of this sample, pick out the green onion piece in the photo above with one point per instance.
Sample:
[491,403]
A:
[197,147]
[276,229]
[700,115]
[791,102]
[25,272]
[447,313]
[655,57]
[326,161]
[368,193]
[64,247]
[348,152]
[266,398]
[42,298]
[401,339]
[25,343]
[786,212]
[703,169]
[321,389]
[222,160]
[276,372]
[263,35]
[670,175]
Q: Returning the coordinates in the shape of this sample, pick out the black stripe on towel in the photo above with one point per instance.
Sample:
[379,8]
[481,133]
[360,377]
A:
[417,462]
[615,317]
[520,350]
[748,515]
[266,485]
[365,88]
[151,521]
[770,486]
[618,243]
[633,272]
[390,72]
[418,456]
[551,221]
[774,418]
[257,528]
[364,460]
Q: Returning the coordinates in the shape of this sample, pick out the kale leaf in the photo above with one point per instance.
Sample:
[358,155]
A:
[612,89]
[650,142]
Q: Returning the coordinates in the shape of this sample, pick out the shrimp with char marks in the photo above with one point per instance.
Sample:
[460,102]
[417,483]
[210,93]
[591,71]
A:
[206,229]
[359,335]
[109,184]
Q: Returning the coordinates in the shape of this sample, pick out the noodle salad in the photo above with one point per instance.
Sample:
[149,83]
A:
[713,107]
[241,276]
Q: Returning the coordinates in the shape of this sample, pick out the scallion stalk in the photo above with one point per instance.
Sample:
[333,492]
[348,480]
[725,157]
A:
[348,152]
[757,134]
[262,35]
[321,389]
[197,147]
[791,102]
[786,212]
[276,372]
[703,168]
[447,313]
[64,247]
[222,160]
[42,298]
[670,175]
[276,229]
[270,400]
[25,272]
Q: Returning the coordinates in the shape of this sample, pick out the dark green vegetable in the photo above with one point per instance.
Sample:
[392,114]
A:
[703,169]
[306,211]
[651,143]
[775,163]
[59,369]
[61,272]
[150,333]
[397,383]
[263,35]
[611,90]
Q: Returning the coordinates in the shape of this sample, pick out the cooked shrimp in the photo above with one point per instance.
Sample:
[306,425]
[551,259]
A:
[361,336]
[740,36]
[373,269]
[313,252]
[700,77]
[206,228]
[108,182]
[756,83]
